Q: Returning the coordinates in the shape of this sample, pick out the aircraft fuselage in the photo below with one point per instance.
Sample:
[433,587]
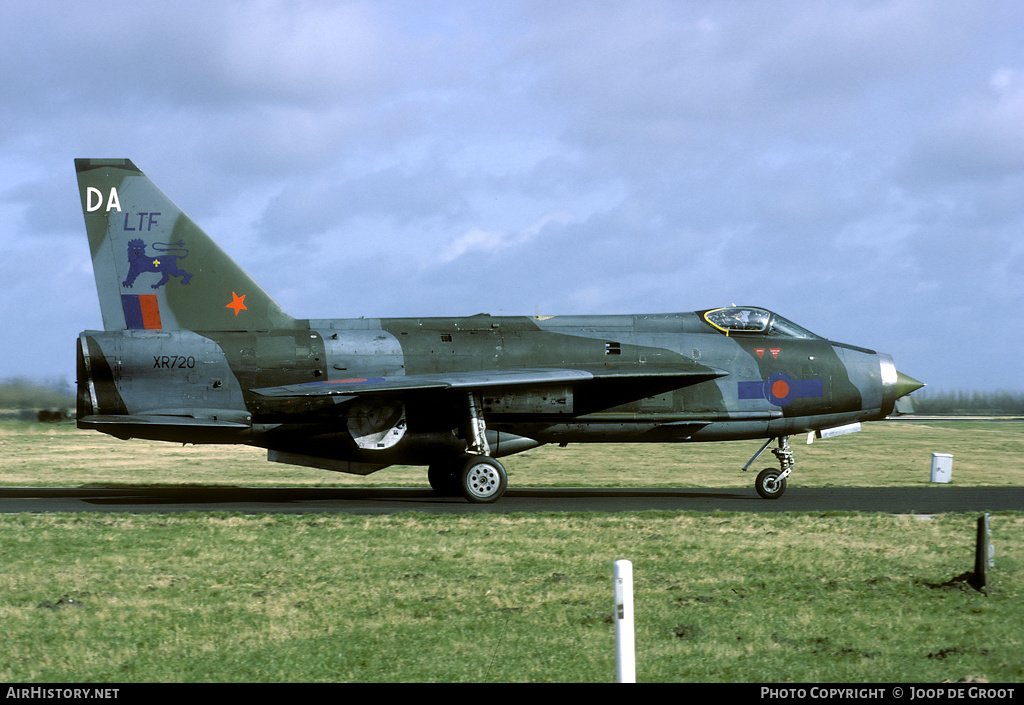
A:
[757,386]
[194,350]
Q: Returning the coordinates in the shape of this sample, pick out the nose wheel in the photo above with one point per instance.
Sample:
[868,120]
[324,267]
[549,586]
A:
[771,483]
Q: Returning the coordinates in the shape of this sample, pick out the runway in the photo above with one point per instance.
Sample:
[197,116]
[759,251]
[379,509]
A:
[934,499]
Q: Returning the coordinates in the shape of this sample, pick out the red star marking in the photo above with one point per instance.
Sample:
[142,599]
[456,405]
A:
[237,303]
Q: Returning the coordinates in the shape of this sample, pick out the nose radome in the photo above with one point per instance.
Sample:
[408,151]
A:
[895,384]
[905,384]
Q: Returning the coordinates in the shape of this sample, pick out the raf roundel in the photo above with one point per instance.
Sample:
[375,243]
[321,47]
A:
[780,388]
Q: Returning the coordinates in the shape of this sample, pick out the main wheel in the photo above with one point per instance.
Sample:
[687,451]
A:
[768,484]
[483,480]
[444,478]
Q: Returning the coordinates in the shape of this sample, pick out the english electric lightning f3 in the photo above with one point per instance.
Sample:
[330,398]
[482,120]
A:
[194,351]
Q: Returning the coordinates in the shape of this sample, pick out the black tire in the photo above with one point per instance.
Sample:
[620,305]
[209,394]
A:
[483,480]
[444,478]
[768,484]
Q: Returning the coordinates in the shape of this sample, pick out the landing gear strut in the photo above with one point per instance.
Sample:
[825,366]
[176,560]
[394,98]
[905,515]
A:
[475,475]
[771,483]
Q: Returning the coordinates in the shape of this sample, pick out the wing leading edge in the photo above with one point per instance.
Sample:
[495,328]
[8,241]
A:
[508,379]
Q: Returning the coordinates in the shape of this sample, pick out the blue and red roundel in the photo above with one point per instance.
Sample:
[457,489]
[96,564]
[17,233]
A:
[781,389]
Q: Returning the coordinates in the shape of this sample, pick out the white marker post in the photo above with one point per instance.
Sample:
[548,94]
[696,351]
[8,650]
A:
[625,656]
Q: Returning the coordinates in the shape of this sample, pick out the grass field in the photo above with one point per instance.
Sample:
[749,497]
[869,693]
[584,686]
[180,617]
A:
[892,454]
[720,597]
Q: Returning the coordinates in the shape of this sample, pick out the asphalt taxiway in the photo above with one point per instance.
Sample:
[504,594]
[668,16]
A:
[933,499]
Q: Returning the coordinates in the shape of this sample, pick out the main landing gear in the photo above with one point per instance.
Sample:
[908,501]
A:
[478,478]
[771,483]
[475,475]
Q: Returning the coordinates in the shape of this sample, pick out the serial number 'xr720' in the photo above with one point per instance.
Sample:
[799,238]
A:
[173,362]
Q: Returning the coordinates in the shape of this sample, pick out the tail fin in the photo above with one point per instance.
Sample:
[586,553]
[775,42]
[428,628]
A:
[154,267]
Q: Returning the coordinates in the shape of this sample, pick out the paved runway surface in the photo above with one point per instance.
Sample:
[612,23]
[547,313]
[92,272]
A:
[893,500]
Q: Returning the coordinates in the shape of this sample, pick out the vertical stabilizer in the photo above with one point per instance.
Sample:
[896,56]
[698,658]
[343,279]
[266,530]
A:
[154,267]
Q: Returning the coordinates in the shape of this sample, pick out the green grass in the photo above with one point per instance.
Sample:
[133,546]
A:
[834,597]
[882,455]
[412,598]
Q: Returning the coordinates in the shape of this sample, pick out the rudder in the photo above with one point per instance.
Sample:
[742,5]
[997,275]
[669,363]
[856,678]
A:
[154,267]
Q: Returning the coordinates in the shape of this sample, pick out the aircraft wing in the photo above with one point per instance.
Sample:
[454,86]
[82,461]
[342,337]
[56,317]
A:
[179,425]
[487,379]
[162,420]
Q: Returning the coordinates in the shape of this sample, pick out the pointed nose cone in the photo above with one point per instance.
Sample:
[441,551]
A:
[895,384]
[905,384]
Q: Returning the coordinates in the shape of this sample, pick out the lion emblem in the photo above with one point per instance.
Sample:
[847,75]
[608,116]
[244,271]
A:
[165,262]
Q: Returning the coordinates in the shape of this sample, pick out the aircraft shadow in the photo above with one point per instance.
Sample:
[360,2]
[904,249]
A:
[195,494]
[382,500]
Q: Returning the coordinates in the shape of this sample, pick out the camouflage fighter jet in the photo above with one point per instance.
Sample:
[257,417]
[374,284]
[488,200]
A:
[194,351]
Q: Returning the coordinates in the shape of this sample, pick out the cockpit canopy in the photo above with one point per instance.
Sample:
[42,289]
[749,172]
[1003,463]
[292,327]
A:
[749,320]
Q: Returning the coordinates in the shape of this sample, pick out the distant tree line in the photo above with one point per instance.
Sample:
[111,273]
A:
[1003,403]
[18,393]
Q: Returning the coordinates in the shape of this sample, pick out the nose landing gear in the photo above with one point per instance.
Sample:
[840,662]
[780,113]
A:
[771,483]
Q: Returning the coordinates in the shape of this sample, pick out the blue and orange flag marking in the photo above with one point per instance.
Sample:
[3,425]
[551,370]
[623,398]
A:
[141,311]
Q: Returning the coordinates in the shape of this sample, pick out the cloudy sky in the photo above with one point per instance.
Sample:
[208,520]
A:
[855,166]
